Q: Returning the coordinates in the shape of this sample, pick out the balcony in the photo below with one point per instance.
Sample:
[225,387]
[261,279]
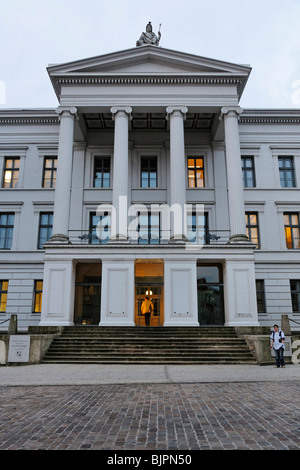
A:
[151,237]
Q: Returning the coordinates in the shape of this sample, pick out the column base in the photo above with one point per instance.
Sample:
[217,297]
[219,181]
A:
[239,238]
[59,237]
[178,239]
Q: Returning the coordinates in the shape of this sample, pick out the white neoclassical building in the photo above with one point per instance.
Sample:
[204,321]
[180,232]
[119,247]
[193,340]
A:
[149,179]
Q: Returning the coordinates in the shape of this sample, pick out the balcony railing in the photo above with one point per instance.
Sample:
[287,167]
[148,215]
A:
[156,237]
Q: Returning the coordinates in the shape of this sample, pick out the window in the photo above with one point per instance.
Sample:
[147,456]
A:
[45,228]
[100,230]
[49,172]
[295,293]
[11,172]
[148,172]
[252,227]
[197,228]
[102,172]
[38,294]
[248,172]
[195,172]
[286,172]
[292,230]
[148,229]
[3,295]
[260,296]
[6,230]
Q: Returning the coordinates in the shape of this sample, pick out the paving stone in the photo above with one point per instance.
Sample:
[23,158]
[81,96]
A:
[205,416]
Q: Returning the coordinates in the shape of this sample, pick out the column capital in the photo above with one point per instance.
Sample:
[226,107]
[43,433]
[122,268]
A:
[231,111]
[66,110]
[125,110]
[179,110]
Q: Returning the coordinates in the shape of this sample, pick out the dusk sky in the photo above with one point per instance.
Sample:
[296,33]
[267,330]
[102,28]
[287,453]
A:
[264,34]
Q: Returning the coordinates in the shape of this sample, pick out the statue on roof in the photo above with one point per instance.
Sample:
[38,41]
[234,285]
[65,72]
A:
[149,37]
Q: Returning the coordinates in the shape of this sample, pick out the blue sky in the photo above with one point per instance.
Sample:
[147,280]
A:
[264,34]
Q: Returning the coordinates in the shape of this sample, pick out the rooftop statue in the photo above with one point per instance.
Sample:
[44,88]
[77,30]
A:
[149,37]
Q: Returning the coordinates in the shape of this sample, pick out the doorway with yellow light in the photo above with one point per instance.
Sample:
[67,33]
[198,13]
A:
[149,282]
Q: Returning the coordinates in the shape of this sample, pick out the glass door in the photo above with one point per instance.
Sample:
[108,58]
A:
[87,294]
[210,295]
[149,290]
[154,296]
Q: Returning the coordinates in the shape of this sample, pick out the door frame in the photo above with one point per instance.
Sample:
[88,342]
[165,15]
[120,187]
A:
[142,287]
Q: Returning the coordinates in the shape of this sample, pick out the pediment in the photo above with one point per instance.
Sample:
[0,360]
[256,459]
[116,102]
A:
[149,61]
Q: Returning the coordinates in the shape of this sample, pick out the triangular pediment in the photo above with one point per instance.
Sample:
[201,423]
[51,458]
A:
[149,59]
[146,61]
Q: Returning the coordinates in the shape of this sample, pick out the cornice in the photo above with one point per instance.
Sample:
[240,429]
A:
[28,117]
[274,116]
[165,79]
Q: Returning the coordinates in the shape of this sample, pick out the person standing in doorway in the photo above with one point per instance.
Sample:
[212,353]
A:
[277,343]
[147,309]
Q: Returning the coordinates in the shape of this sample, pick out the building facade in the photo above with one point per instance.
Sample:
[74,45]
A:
[149,179]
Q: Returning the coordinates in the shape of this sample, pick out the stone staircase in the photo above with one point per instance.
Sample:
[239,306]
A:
[148,345]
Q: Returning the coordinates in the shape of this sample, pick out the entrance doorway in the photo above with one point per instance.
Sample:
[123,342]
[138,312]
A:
[149,282]
[87,294]
[210,294]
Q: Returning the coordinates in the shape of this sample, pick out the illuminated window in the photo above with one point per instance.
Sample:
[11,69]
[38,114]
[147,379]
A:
[149,172]
[6,230]
[49,172]
[102,172]
[248,172]
[3,295]
[11,172]
[45,228]
[195,172]
[252,227]
[38,294]
[292,230]
[286,172]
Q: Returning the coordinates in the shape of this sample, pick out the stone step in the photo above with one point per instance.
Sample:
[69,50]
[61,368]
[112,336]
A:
[151,360]
[144,330]
[164,345]
[149,341]
[146,353]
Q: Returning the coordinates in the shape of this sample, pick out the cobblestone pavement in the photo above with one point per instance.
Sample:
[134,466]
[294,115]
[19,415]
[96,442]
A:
[193,416]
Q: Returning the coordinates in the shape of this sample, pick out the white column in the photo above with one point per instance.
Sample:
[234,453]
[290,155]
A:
[234,174]
[121,116]
[176,115]
[64,174]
